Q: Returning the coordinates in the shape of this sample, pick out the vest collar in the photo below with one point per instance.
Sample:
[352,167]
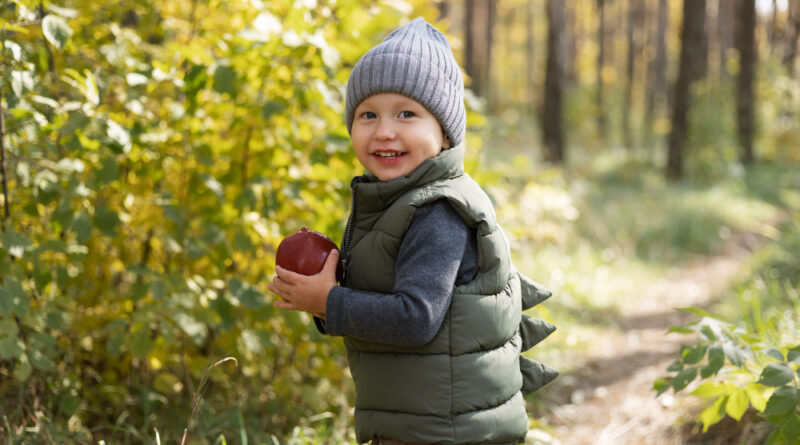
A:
[372,194]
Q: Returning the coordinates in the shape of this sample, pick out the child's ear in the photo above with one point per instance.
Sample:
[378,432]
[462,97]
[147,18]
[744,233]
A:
[445,141]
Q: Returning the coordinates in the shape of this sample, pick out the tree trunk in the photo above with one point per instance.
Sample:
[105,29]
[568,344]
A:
[745,96]
[470,39]
[553,132]
[444,9]
[634,14]
[793,34]
[691,35]
[658,67]
[530,54]
[491,16]
[774,29]
[570,44]
[601,32]
[725,20]
[478,25]
[508,47]
[701,64]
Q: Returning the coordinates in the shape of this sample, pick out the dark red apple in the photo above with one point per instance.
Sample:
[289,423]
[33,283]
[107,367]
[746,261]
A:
[305,252]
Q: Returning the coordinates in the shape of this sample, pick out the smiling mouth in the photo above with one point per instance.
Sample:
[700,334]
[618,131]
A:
[388,155]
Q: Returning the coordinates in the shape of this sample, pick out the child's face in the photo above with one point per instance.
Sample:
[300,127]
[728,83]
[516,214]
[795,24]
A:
[393,134]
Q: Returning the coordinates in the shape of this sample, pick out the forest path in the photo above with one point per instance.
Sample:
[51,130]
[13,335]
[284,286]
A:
[609,395]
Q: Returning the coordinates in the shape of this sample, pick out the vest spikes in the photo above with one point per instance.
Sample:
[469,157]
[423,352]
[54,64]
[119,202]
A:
[535,374]
[533,331]
[533,293]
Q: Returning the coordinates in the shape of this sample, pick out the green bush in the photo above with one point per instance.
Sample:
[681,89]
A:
[156,154]
[756,361]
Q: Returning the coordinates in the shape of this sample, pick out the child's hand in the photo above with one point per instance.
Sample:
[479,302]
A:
[305,292]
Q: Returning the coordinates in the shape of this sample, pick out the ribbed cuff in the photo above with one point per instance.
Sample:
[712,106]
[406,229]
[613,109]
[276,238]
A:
[335,316]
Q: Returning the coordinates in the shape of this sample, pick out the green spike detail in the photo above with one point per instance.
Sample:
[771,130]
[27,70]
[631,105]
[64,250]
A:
[532,330]
[535,374]
[533,293]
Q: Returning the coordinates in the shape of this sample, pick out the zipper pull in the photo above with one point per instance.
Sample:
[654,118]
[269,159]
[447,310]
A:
[344,270]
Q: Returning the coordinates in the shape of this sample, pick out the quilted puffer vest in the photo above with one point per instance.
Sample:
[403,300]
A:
[466,385]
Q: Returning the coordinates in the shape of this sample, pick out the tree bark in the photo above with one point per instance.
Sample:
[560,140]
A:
[469,45]
[657,79]
[693,20]
[530,54]
[570,44]
[553,132]
[444,9]
[478,30]
[745,96]
[725,19]
[701,64]
[774,30]
[491,17]
[793,34]
[601,32]
[634,7]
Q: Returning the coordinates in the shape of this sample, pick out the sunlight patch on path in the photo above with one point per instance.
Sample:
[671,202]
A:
[610,398]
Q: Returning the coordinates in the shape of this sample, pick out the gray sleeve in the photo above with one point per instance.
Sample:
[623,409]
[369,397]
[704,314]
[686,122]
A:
[428,265]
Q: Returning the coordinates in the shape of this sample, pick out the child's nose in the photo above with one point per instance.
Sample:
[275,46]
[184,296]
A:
[385,129]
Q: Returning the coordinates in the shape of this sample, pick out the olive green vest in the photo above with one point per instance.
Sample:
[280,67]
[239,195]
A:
[466,385]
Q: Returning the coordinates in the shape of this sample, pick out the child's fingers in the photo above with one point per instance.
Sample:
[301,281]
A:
[331,262]
[287,276]
[273,288]
[280,288]
[281,304]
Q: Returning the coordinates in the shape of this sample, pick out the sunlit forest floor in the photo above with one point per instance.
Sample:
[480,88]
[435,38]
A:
[622,250]
[607,396]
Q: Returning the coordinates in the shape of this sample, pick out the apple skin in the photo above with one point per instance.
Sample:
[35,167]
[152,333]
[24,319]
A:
[305,252]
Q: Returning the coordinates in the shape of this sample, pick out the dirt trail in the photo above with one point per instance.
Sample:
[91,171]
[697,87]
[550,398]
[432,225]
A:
[611,400]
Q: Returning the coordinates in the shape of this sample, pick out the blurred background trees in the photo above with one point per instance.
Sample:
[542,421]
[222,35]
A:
[155,153]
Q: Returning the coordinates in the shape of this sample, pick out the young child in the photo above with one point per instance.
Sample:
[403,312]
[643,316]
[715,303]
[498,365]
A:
[430,305]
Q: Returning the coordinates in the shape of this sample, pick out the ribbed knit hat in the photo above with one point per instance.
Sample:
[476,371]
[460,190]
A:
[414,60]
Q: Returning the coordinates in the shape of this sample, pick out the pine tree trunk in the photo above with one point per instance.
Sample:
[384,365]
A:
[491,16]
[793,34]
[691,35]
[553,132]
[701,64]
[530,54]
[470,37]
[601,32]
[774,30]
[658,67]
[745,96]
[725,20]
[478,24]
[570,44]
[444,9]
[633,18]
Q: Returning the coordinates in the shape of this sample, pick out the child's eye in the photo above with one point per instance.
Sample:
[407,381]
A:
[369,115]
[406,114]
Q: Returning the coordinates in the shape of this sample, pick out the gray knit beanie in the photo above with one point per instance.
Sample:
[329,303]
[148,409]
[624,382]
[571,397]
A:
[415,61]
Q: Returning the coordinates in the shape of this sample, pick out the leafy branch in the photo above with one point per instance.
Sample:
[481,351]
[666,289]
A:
[767,377]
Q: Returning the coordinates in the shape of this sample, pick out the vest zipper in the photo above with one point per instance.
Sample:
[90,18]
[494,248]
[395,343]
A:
[348,234]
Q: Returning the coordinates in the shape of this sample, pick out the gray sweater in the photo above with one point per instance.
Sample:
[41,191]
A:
[438,252]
